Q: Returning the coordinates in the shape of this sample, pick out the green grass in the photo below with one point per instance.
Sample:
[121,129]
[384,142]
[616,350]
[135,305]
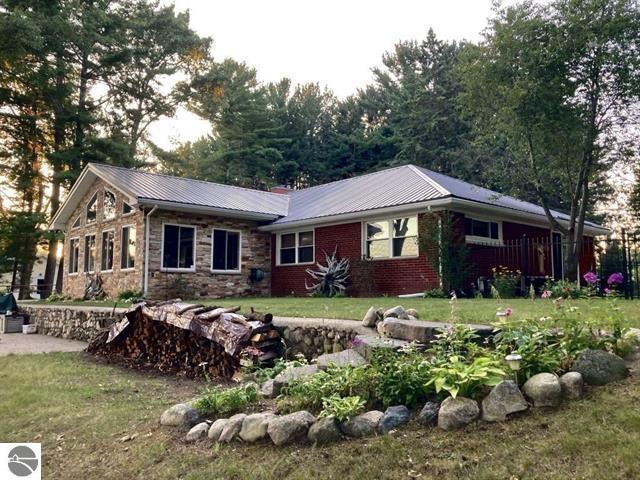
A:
[437,309]
[80,409]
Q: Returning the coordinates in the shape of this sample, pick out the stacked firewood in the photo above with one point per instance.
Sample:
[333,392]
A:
[191,340]
[266,344]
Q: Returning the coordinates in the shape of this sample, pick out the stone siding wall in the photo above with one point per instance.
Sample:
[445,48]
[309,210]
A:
[204,283]
[116,280]
[75,323]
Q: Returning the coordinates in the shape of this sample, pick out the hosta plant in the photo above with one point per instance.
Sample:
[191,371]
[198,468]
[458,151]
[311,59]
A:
[458,377]
[342,408]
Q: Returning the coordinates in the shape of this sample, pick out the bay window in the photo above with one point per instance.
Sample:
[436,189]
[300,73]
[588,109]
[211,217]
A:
[178,247]
[393,238]
[297,247]
[225,251]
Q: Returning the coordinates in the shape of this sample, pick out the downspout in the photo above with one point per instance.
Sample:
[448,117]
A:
[146,251]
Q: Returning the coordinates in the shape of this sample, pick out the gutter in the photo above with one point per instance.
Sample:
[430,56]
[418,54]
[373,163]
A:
[146,251]
[223,212]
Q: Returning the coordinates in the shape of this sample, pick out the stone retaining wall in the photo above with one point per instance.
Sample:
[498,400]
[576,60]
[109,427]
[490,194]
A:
[309,336]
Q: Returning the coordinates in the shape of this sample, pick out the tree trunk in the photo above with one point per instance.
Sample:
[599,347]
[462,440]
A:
[59,276]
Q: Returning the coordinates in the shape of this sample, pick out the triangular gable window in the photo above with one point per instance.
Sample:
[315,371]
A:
[76,224]
[126,208]
[92,209]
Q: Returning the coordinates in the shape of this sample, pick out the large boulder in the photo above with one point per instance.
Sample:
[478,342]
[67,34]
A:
[341,359]
[503,400]
[197,432]
[543,390]
[571,384]
[394,417]
[292,373]
[370,318]
[326,430]
[254,426]
[216,429]
[363,425]
[180,415]
[428,416]
[232,428]
[395,312]
[457,412]
[268,389]
[290,428]
[412,312]
[421,331]
[367,345]
[599,367]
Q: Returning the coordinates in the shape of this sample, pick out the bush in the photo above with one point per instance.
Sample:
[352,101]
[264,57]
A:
[459,377]
[400,377]
[57,297]
[342,408]
[458,339]
[564,289]
[129,296]
[505,281]
[226,401]
[261,375]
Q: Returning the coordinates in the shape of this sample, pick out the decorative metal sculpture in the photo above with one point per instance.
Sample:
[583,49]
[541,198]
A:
[331,280]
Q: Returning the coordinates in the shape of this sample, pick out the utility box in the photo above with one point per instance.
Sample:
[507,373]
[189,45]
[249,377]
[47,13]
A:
[11,323]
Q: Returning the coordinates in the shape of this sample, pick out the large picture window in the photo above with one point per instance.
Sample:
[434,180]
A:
[128,247]
[392,238]
[225,251]
[481,230]
[92,209]
[296,247]
[74,253]
[89,253]
[178,247]
[109,208]
[106,262]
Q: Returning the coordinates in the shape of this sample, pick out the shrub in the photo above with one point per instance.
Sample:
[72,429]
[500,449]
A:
[129,296]
[459,377]
[564,289]
[342,408]
[261,375]
[458,339]
[505,281]
[435,293]
[226,401]
[400,377]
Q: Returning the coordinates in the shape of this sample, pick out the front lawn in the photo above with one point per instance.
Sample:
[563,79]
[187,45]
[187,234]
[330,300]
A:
[80,410]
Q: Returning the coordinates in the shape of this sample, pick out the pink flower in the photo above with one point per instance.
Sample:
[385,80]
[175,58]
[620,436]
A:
[607,291]
[615,279]
[546,294]
[590,277]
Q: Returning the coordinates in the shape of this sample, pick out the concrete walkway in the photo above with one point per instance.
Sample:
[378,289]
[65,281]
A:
[20,343]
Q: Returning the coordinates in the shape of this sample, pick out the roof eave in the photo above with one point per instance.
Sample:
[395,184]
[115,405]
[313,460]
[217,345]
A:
[223,212]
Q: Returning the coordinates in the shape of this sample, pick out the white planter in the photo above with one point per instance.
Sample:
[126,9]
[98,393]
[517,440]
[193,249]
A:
[31,328]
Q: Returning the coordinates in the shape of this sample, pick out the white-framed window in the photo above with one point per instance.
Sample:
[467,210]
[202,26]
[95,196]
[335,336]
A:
[109,207]
[478,230]
[92,209]
[106,257]
[128,247]
[74,253]
[89,253]
[76,222]
[296,247]
[126,208]
[178,247]
[391,238]
[226,247]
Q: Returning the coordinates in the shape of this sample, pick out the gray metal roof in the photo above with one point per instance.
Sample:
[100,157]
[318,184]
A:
[148,187]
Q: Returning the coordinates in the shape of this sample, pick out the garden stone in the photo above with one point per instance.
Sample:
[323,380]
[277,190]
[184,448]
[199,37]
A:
[543,390]
[232,428]
[457,412]
[291,374]
[599,367]
[267,389]
[367,345]
[428,416]
[198,432]
[505,398]
[290,428]
[412,312]
[370,318]
[180,415]
[395,312]
[571,384]
[394,417]
[341,359]
[216,429]
[254,426]
[363,425]
[325,430]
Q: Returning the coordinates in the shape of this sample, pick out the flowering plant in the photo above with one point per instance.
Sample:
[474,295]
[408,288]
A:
[546,294]
[591,278]
[615,279]
[505,281]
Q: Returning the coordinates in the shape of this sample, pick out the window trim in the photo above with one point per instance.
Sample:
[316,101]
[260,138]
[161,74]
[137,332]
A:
[84,251]
[239,269]
[115,205]
[297,246]
[133,210]
[86,210]
[195,254]
[133,227]
[475,239]
[390,238]
[77,220]
[106,230]
[69,273]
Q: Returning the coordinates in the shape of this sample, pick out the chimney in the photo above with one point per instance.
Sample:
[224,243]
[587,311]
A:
[282,189]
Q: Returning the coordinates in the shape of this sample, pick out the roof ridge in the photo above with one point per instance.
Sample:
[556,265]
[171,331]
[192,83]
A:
[430,180]
[100,165]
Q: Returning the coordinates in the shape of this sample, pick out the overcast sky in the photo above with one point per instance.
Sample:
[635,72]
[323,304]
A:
[333,42]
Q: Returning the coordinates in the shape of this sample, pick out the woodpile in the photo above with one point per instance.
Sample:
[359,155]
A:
[192,340]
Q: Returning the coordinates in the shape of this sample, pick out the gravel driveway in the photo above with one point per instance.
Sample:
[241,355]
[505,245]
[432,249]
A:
[20,343]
